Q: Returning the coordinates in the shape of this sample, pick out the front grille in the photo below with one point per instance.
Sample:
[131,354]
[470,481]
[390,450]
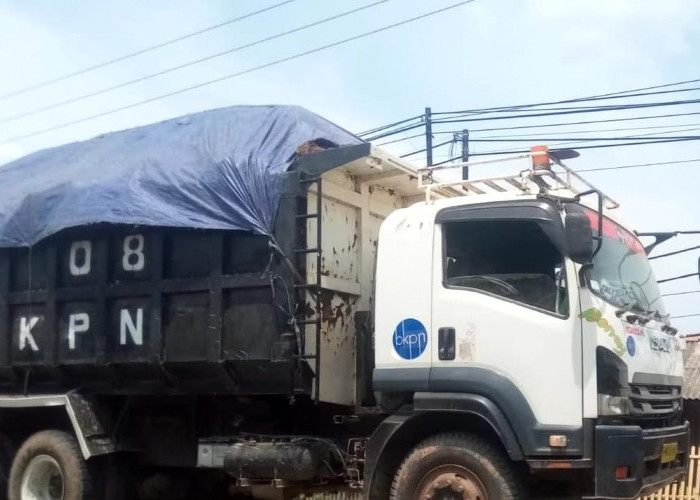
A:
[655,400]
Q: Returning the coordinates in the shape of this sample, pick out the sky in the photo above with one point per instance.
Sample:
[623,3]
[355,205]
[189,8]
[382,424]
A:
[485,53]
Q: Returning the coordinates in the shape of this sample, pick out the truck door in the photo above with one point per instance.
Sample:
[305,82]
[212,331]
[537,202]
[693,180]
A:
[505,318]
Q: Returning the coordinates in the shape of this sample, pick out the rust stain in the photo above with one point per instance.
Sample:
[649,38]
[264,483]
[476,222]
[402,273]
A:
[327,306]
[334,312]
[466,349]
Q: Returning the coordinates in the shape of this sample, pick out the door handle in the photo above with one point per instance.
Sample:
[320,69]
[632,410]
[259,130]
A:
[446,343]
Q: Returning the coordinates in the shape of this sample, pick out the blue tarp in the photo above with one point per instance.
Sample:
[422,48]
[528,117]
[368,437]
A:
[219,169]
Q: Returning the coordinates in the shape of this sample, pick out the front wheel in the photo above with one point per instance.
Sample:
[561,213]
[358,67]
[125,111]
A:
[50,466]
[457,467]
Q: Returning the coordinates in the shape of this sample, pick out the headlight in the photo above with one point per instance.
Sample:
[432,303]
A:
[613,384]
[613,405]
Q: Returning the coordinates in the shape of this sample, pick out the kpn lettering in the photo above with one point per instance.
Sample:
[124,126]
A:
[25,333]
[130,329]
[410,338]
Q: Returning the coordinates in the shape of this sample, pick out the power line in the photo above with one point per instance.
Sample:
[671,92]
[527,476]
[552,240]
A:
[390,125]
[685,316]
[240,73]
[425,149]
[188,64]
[409,137]
[665,85]
[586,122]
[674,233]
[501,109]
[623,129]
[142,51]
[652,136]
[569,140]
[393,132]
[629,93]
[680,293]
[519,127]
[675,253]
[638,165]
[570,111]
[596,146]
[683,276]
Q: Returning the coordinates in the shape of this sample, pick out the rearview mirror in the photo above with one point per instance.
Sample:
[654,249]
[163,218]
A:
[579,238]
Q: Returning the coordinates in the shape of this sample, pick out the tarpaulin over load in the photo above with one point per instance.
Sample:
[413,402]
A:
[218,169]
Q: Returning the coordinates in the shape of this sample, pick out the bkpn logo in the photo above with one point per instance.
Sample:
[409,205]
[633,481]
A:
[410,338]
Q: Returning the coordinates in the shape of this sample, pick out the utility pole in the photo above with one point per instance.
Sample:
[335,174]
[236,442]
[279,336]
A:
[465,153]
[429,137]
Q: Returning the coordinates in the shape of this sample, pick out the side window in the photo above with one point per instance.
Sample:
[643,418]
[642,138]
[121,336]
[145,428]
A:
[510,258]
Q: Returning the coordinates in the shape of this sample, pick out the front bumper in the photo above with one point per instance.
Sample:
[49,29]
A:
[640,450]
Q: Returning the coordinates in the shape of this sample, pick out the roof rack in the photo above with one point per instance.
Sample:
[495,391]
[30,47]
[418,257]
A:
[538,178]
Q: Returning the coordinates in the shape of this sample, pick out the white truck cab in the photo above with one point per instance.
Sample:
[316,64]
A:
[511,299]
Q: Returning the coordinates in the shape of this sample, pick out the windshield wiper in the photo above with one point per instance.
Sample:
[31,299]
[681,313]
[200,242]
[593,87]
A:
[642,317]
[626,308]
[630,306]
[669,329]
[652,314]
[657,314]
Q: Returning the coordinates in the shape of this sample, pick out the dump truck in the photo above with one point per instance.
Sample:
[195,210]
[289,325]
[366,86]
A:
[253,302]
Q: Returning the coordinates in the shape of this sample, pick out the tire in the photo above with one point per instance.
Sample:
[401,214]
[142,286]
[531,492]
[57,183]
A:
[459,466]
[50,461]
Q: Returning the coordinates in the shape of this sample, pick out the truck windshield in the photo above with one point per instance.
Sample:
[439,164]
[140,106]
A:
[621,272]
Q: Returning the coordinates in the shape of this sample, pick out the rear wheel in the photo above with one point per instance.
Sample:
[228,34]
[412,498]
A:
[50,466]
[457,467]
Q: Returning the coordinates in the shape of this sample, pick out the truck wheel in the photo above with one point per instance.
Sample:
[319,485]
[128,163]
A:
[50,466]
[459,467]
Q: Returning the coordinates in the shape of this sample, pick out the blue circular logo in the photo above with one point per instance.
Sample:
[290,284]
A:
[410,338]
[631,346]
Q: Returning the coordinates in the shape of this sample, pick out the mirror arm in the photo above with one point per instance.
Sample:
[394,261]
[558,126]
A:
[599,238]
[582,276]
